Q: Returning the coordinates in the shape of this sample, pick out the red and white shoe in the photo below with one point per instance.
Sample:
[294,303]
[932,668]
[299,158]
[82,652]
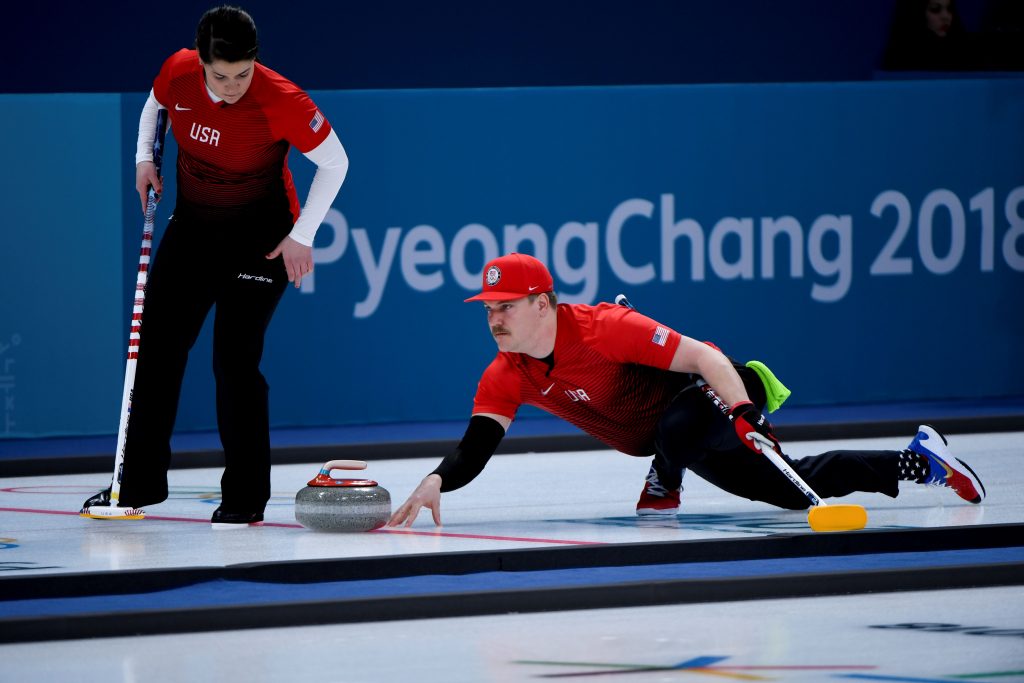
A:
[655,499]
[946,470]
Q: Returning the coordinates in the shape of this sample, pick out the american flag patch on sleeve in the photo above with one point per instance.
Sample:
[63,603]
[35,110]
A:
[318,121]
[660,335]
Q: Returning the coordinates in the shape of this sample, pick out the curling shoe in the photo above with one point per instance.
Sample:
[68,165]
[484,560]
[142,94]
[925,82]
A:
[945,470]
[655,499]
[99,507]
[101,498]
[223,519]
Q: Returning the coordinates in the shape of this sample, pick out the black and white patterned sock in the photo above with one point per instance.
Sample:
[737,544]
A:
[914,466]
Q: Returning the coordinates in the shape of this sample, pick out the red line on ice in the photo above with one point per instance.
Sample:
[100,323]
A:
[556,541]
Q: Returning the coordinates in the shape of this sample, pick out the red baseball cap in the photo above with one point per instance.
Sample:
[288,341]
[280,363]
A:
[514,276]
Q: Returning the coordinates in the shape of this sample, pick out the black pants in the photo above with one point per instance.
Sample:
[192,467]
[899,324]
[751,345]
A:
[204,264]
[694,434]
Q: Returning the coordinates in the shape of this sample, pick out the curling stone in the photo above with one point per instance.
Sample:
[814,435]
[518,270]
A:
[328,504]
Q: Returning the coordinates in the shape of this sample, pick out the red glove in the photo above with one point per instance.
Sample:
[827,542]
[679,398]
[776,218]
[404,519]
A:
[748,420]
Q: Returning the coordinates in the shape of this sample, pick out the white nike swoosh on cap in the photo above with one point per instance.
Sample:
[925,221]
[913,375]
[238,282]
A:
[534,287]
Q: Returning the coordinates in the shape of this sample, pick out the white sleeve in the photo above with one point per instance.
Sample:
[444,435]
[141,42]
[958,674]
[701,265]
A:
[147,130]
[331,168]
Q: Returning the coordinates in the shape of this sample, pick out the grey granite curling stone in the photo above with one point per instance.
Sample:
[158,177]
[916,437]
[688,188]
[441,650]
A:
[328,504]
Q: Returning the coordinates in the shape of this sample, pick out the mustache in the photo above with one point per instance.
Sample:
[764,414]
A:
[498,329]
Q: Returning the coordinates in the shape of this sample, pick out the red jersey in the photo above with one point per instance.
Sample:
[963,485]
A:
[610,376]
[232,155]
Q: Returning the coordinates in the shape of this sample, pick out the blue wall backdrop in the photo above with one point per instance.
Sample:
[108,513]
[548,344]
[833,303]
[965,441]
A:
[864,239]
[60,264]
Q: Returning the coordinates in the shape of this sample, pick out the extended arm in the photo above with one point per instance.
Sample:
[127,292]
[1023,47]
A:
[331,168]
[717,370]
[484,433]
[714,366]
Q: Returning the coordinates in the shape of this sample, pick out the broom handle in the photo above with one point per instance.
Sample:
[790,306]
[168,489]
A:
[765,445]
[140,300]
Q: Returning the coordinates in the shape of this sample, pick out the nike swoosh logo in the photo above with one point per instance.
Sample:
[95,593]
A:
[534,287]
[178,107]
[545,392]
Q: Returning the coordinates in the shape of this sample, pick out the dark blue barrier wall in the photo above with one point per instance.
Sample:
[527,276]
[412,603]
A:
[118,46]
[864,239]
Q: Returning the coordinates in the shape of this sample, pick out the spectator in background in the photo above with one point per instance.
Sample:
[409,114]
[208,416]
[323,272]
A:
[928,35]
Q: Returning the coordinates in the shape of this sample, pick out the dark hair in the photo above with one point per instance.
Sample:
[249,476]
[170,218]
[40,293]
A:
[908,21]
[912,47]
[226,33]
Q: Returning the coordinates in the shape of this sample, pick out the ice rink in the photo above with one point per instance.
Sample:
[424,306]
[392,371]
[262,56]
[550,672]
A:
[487,596]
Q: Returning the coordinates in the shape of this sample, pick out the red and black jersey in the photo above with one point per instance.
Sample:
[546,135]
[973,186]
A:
[610,376]
[233,155]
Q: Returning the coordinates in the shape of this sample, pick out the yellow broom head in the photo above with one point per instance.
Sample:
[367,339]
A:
[837,517]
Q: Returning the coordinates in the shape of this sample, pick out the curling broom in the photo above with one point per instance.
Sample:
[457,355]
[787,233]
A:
[114,511]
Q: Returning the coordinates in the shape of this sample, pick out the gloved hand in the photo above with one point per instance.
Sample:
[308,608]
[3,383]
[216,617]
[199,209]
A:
[748,421]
